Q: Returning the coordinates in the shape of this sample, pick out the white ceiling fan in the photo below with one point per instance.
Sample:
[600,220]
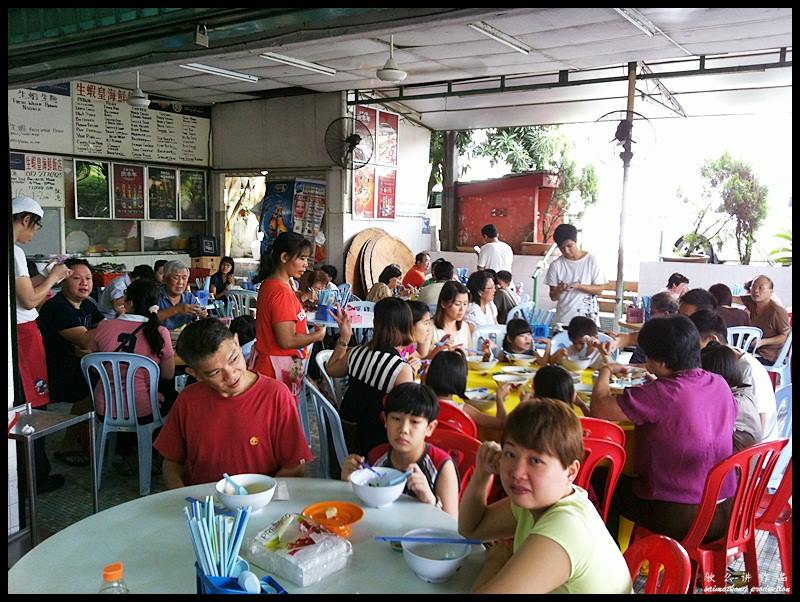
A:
[390,72]
[137,98]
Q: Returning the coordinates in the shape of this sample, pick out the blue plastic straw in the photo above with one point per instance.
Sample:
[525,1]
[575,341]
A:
[411,539]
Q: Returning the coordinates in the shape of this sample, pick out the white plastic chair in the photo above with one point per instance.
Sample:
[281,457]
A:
[336,386]
[783,363]
[328,424]
[121,402]
[242,301]
[495,332]
[783,397]
[744,337]
[523,311]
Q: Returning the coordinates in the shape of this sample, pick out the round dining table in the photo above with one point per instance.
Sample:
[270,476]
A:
[149,536]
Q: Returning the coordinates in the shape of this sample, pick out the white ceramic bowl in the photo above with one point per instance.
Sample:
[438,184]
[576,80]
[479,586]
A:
[475,363]
[519,371]
[576,365]
[260,489]
[521,359]
[377,497]
[481,398]
[437,562]
[515,380]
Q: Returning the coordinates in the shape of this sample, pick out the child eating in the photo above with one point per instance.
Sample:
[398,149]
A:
[411,410]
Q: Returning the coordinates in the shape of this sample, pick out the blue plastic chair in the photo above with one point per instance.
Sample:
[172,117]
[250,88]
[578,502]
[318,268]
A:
[108,365]
[744,337]
[783,363]
[328,424]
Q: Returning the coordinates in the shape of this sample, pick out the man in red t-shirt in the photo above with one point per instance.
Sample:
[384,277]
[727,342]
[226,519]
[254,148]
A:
[232,420]
[415,276]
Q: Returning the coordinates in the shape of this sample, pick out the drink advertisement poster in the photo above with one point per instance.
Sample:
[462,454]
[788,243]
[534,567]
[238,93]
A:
[162,196]
[387,186]
[92,189]
[309,207]
[276,211]
[128,191]
[364,192]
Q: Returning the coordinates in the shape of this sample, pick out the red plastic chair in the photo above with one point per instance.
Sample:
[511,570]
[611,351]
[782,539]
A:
[597,428]
[670,570]
[753,466]
[464,451]
[454,418]
[776,518]
[598,450]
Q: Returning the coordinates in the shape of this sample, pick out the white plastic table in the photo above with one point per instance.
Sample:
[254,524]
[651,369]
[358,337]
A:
[149,537]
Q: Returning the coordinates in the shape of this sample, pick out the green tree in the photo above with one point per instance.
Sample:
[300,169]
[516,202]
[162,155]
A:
[544,148]
[783,255]
[436,155]
[742,196]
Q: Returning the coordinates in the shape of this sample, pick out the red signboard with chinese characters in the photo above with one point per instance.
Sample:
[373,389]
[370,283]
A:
[128,191]
[364,192]
[375,184]
[386,186]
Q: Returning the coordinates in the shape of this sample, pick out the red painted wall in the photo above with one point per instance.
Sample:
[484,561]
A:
[513,203]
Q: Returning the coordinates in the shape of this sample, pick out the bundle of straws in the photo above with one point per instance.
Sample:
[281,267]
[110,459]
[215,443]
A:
[216,539]
[539,316]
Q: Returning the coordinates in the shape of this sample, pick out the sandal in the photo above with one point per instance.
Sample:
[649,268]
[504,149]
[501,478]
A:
[72,458]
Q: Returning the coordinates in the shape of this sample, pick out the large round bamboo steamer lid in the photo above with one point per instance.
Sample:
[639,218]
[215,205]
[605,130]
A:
[352,258]
[368,278]
[390,250]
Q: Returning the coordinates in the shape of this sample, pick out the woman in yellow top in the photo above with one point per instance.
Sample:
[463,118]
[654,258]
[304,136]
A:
[561,544]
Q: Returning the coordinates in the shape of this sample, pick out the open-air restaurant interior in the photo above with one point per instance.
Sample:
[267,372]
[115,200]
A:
[400,300]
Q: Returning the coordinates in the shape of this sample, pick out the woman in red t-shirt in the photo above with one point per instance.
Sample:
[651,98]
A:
[281,328]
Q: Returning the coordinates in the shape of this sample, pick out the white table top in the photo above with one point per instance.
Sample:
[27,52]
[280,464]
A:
[149,537]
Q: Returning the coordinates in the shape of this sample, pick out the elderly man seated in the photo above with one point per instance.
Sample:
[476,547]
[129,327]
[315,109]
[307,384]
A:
[178,305]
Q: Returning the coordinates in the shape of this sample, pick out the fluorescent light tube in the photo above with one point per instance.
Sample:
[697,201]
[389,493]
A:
[644,24]
[221,72]
[287,60]
[500,36]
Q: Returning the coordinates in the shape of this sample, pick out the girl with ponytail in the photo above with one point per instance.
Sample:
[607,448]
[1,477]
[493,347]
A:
[137,331]
[281,328]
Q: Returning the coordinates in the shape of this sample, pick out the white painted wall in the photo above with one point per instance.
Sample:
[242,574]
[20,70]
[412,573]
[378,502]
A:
[653,276]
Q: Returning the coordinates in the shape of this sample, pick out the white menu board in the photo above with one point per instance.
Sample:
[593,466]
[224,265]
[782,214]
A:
[106,126]
[40,120]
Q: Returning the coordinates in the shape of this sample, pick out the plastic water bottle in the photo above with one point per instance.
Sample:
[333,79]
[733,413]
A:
[113,582]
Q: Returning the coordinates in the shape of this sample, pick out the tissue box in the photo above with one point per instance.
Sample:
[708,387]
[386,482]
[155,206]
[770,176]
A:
[300,550]
[355,317]
[634,315]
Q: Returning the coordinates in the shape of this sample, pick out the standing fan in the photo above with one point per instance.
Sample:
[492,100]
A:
[349,142]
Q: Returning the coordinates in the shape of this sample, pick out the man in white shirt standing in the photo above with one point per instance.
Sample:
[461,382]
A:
[575,279]
[494,254]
